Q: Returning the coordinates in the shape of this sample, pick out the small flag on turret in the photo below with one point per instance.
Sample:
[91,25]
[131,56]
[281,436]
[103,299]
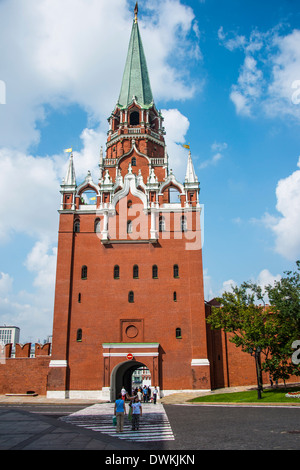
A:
[68,150]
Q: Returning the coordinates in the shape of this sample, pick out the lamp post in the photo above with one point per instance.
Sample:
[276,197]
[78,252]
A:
[256,353]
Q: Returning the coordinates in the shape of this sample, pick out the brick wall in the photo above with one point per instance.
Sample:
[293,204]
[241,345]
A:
[22,373]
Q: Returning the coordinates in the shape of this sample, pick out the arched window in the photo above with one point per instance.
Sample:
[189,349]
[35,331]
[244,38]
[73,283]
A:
[161,224]
[134,118]
[133,161]
[79,335]
[97,226]
[178,333]
[175,296]
[77,226]
[131,297]
[116,272]
[88,197]
[183,224]
[135,271]
[154,271]
[175,270]
[84,272]
[129,226]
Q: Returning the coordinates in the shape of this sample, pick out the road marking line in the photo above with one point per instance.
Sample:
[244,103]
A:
[154,423]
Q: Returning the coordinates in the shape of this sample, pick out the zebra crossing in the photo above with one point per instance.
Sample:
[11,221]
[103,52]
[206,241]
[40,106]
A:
[154,423]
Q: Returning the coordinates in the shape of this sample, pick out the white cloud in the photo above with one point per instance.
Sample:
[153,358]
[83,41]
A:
[42,261]
[249,87]
[285,75]
[166,31]
[228,285]
[286,227]
[29,190]
[217,146]
[266,278]
[176,125]
[269,75]
[32,313]
[6,284]
[88,158]
[241,103]
[217,150]
[235,42]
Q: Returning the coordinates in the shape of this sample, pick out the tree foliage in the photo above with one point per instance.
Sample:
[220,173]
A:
[271,326]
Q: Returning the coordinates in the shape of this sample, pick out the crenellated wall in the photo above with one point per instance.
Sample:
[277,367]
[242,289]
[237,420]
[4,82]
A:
[21,373]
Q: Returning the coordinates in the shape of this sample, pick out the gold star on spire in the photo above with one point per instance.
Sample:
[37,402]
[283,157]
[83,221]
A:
[136,10]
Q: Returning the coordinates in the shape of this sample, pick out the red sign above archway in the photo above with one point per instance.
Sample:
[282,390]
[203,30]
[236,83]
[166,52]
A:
[129,357]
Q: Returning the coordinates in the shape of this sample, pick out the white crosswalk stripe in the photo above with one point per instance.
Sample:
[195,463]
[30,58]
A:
[154,423]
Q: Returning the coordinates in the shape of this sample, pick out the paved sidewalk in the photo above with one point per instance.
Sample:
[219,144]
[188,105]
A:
[20,430]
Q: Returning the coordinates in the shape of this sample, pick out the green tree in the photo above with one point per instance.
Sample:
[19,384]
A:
[240,313]
[284,299]
[270,328]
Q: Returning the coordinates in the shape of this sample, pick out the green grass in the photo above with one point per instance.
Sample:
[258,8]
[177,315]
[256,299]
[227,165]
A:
[275,395]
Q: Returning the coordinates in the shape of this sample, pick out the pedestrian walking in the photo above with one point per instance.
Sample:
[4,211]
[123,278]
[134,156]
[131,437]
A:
[123,392]
[120,412]
[155,392]
[271,380]
[145,393]
[149,393]
[139,394]
[136,413]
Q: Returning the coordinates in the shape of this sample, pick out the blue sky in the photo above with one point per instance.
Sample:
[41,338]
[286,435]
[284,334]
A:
[226,75]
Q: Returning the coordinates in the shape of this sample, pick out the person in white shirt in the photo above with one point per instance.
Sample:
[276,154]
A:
[139,394]
[155,392]
[123,392]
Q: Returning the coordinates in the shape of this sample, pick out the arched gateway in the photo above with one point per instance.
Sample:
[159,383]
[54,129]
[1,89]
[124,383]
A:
[120,362]
[116,281]
[122,376]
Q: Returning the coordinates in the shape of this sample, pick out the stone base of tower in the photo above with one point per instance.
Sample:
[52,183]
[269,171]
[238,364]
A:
[57,380]
[194,380]
[167,393]
[201,374]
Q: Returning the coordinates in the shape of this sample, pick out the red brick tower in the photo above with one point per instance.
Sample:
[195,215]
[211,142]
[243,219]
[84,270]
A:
[129,283]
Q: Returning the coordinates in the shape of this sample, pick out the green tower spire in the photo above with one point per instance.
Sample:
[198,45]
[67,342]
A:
[136,81]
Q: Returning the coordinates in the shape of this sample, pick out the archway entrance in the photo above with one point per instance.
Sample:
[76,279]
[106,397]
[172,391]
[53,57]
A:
[121,376]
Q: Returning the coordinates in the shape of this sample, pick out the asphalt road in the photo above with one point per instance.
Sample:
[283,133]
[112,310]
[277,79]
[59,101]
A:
[213,427]
[235,428]
[44,409]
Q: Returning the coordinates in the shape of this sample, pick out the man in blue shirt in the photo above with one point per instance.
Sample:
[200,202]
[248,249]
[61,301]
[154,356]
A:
[145,393]
[120,412]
